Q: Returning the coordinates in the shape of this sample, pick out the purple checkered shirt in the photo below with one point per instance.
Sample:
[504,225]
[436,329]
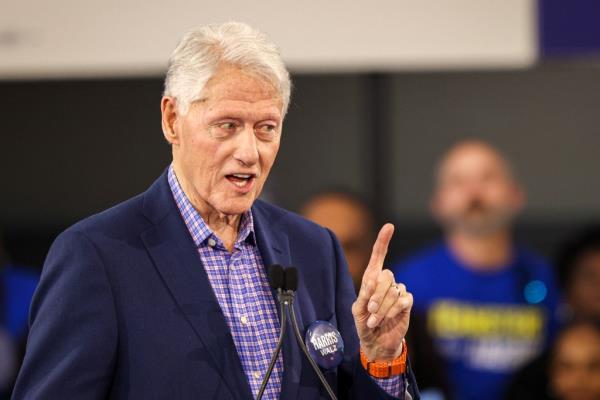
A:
[240,284]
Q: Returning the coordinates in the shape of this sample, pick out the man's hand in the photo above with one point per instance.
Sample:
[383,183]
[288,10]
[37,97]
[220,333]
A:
[382,309]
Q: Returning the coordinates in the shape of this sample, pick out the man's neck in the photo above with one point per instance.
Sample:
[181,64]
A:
[225,227]
[482,253]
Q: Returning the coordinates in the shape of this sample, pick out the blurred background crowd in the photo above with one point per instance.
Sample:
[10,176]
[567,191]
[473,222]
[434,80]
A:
[473,126]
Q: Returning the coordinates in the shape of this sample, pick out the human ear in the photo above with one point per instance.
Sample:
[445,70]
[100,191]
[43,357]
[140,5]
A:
[170,116]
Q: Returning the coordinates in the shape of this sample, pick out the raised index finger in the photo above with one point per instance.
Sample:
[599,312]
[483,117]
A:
[379,252]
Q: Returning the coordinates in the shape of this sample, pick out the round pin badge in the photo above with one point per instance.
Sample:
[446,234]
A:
[325,344]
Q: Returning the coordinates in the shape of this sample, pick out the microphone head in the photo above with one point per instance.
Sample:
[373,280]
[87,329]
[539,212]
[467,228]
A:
[291,279]
[276,276]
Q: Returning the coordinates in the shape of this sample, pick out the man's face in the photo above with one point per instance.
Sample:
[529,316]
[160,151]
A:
[351,225]
[225,146]
[575,370]
[476,193]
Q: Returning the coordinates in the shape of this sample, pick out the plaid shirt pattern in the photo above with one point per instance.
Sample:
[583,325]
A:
[240,284]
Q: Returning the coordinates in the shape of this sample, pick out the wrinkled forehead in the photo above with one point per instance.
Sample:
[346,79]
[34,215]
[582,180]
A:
[472,159]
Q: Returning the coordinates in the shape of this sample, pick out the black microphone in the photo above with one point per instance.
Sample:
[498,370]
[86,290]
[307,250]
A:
[291,279]
[276,276]
[291,282]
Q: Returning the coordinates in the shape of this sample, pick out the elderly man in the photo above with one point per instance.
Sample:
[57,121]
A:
[166,297]
[488,302]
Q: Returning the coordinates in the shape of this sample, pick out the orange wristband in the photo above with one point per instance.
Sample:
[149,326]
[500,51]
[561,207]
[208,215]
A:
[386,369]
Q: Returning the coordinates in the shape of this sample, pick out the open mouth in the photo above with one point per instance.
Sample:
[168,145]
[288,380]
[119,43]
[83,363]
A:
[242,181]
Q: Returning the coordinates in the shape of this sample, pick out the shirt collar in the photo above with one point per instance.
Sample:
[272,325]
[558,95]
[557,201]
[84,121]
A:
[199,230]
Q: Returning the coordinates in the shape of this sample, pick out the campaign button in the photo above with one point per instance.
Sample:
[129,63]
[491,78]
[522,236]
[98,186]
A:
[325,344]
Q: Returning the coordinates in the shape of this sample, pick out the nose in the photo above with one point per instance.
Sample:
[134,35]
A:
[246,147]
[472,187]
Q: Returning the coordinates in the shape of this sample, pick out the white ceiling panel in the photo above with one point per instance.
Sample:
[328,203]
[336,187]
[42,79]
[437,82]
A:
[65,38]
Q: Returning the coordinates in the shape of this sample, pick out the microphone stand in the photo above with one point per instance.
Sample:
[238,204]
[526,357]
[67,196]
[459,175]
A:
[286,304]
[284,300]
[300,341]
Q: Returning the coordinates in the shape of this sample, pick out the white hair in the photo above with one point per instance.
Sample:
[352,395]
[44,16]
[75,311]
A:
[202,50]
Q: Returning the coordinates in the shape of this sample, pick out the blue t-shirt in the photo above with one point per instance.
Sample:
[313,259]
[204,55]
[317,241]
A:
[18,287]
[485,325]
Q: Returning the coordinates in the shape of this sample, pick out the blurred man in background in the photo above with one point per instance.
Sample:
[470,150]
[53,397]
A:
[350,218]
[488,303]
[17,285]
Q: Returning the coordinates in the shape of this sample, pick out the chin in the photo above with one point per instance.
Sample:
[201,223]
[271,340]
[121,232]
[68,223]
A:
[237,206]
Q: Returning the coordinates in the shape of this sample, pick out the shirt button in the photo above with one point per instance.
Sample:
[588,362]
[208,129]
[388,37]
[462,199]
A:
[244,320]
[212,242]
[257,375]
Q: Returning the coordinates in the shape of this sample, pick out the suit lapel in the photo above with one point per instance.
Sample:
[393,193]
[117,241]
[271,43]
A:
[274,248]
[176,259]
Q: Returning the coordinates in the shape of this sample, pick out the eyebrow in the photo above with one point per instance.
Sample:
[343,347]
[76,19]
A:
[269,115]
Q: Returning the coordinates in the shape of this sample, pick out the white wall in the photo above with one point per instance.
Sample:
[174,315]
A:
[134,37]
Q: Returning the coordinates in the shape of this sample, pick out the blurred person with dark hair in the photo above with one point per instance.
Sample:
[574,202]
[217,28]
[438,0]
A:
[578,266]
[574,367]
[569,370]
[488,302]
[17,285]
[350,218]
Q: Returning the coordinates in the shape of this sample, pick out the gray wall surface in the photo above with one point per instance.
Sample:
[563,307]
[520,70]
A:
[546,120]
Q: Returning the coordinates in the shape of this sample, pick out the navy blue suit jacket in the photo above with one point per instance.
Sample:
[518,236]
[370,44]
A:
[125,310]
